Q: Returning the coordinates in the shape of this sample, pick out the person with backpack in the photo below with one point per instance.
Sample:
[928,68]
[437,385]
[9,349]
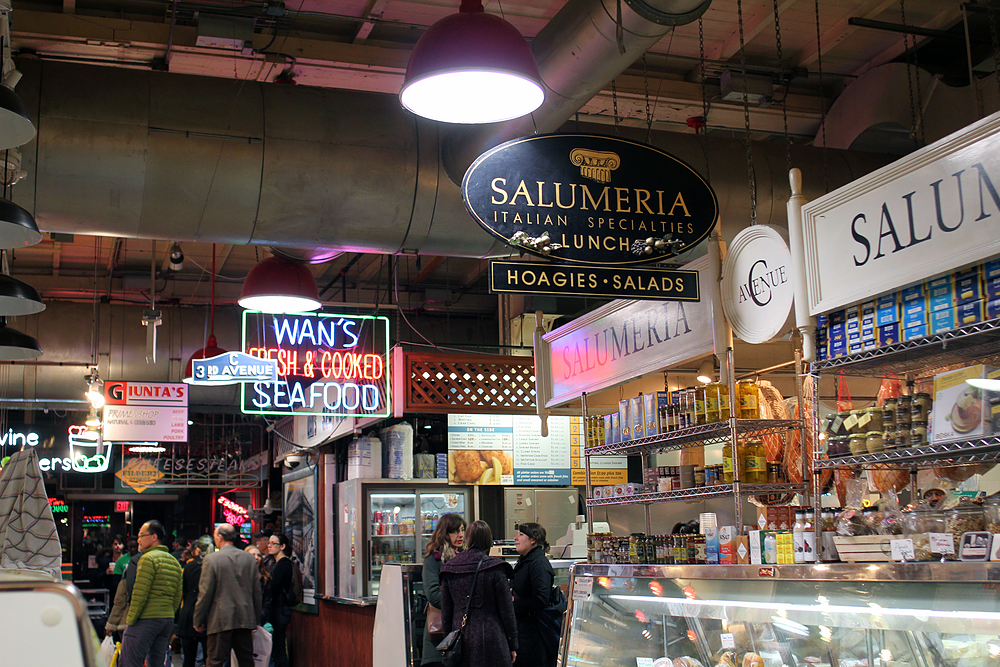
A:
[280,595]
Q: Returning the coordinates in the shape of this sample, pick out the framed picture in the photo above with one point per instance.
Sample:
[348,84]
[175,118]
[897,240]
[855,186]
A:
[300,497]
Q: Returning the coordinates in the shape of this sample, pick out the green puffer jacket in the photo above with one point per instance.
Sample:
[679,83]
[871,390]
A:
[157,591]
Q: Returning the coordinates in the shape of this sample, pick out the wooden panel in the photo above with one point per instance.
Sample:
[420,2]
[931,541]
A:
[474,383]
[340,634]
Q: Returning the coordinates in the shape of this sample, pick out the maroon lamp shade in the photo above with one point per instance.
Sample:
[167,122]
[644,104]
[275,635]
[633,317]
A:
[210,350]
[471,67]
[277,285]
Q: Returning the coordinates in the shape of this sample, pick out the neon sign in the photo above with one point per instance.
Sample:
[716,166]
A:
[234,513]
[58,506]
[327,364]
[95,520]
[88,455]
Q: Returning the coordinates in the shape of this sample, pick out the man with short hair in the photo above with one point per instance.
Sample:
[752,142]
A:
[229,600]
[260,540]
[156,595]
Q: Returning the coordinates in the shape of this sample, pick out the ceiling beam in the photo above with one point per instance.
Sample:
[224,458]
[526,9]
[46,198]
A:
[752,27]
[942,20]
[427,269]
[372,11]
[842,29]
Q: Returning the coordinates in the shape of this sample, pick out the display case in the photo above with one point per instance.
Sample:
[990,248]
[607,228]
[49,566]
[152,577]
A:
[839,615]
[388,521]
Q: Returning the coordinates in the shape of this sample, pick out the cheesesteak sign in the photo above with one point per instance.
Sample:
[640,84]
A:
[594,200]
[932,212]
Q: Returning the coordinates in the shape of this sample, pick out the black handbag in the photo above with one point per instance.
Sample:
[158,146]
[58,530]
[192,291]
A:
[451,646]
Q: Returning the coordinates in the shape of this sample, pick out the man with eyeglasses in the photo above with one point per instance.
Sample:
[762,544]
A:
[229,600]
[156,596]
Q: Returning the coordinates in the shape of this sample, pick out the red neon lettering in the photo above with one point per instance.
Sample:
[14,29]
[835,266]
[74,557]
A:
[309,369]
[339,365]
[324,364]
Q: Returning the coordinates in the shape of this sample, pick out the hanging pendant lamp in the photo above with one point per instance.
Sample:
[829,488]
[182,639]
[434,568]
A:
[277,285]
[16,128]
[18,297]
[211,348]
[14,345]
[472,67]
[17,226]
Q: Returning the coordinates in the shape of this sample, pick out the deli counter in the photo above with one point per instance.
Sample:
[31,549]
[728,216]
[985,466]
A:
[835,615]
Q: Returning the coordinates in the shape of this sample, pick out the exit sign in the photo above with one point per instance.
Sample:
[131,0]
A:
[123,505]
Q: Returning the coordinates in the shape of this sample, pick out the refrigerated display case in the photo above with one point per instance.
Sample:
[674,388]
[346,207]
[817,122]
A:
[837,615]
[388,521]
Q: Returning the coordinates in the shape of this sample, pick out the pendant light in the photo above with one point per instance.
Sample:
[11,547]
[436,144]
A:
[211,348]
[16,128]
[277,285]
[17,226]
[706,371]
[471,67]
[18,297]
[16,346]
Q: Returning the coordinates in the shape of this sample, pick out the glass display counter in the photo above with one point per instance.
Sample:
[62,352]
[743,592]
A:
[837,615]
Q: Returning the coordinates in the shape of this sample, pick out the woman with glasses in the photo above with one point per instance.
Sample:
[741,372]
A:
[446,541]
[277,610]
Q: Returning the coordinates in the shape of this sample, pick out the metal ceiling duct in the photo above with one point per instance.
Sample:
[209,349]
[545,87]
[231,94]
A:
[141,154]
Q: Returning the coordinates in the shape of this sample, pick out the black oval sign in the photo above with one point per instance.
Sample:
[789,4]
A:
[589,199]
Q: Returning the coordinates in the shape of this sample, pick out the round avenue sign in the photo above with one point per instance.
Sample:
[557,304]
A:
[756,285]
[588,199]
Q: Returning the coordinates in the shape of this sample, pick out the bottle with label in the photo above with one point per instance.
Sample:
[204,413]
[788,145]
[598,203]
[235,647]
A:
[770,549]
[700,414]
[798,536]
[747,393]
[754,463]
[809,535]
[727,463]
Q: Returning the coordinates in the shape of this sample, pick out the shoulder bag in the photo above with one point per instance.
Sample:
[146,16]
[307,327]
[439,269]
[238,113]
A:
[435,624]
[451,646]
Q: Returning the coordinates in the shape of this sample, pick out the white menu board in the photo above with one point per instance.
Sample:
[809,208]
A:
[509,449]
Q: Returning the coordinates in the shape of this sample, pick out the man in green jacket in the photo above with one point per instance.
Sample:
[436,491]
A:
[155,599]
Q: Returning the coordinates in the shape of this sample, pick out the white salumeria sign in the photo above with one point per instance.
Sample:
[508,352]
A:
[757,289]
[628,338]
[929,213]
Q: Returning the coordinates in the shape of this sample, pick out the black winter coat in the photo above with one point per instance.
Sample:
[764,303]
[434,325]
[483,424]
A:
[189,596]
[277,611]
[533,578]
[491,631]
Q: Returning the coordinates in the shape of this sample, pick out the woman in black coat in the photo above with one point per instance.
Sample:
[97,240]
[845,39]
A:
[533,578]
[490,635]
[445,543]
[189,596]
[278,612]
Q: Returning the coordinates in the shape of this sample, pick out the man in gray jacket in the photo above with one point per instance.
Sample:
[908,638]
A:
[229,600]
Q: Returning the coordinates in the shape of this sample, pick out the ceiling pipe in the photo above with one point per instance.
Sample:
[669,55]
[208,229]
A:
[579,53]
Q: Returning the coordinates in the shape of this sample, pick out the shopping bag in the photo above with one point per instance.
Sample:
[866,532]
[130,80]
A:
[107,651]
[261,650]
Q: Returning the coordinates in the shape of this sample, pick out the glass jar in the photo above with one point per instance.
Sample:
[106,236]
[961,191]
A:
[889,414]
[837,446]
[747,392]
[902,436]
[920,407]
[904,410]
[889,438]
[858,444]
[962,519]
[727,463]
[873,417]
[852,421]
[923,521]
[874,442]
[724,411]
[992,510]
[918,434]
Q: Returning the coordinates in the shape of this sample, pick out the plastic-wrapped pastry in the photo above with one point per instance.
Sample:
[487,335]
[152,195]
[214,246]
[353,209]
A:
[686,662]
[727,659]
[752,660]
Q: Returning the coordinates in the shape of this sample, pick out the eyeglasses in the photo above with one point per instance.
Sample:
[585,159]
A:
[143,535]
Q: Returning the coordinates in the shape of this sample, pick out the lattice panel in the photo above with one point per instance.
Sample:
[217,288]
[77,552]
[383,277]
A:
[473,383]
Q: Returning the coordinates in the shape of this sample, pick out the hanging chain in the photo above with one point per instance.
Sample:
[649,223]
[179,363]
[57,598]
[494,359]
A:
[614,101]
[822,99]
[751,177]
[704,98]
[996,43]
[788,85]
[916,108]
[649,112]
[620,30]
